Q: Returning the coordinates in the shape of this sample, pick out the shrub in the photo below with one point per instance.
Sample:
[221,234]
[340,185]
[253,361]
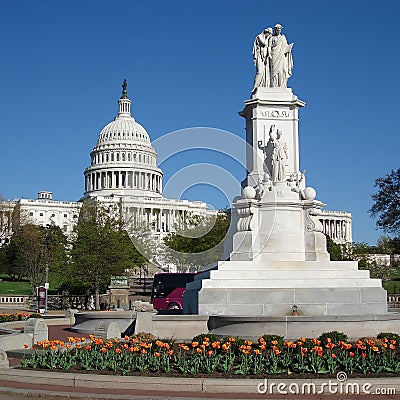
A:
[306,343]
[335,337]
[389,336]
[372,340]
[270,338]
[144,337]
[236,343]
[200,338]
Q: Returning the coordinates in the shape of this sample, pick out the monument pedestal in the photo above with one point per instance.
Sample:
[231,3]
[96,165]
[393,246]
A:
[271,289]
[278,264]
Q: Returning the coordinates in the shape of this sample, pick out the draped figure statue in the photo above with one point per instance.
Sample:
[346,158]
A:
[261,57]
[279,155]
[281,59]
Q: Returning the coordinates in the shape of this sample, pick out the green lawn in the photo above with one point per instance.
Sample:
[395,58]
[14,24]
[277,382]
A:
[393,287]
[9,287]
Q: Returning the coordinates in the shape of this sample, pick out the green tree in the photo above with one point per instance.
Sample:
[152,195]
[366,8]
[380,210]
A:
[386,206]
[334,249]
[362,248]
[199,243]
[388,245]
[32,248]
[57,244]
[364,254]
[101,248]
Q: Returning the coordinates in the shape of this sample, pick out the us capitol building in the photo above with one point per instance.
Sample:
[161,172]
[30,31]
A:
[124,170]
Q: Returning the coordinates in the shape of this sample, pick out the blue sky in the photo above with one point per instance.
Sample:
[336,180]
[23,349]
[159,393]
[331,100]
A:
[189,64]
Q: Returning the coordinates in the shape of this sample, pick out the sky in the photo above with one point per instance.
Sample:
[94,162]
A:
[189,64]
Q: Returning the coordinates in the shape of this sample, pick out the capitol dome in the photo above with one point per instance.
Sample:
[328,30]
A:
[123,161]
[123,129]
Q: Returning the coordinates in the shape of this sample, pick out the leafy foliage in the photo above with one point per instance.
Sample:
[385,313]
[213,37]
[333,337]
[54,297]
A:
[199,243]
[387,245]
[386,207]
[334,336]
[334,249]
[378,269]
[32,248]
[200,338]
[389,336]
[101,248]
[273,340]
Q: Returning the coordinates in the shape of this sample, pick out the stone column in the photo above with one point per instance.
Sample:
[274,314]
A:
[130,179]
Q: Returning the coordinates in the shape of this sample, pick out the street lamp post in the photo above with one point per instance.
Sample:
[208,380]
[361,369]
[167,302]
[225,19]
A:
[46,285]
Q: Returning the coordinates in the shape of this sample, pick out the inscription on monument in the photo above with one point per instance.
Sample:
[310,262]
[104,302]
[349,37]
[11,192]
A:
[274,113]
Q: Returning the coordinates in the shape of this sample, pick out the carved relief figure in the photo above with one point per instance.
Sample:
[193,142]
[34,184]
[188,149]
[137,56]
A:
[279,155]
[264,184]
[261,57]
[281,58]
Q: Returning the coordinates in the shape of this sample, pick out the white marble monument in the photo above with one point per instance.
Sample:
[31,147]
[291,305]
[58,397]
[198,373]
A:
[276,257]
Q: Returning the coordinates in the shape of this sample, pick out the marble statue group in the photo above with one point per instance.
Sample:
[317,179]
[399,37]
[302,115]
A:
[273,58]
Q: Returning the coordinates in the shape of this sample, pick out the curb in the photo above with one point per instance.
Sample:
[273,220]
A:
[61,382]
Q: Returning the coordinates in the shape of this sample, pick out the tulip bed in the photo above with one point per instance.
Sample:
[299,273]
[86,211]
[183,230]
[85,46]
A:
[208,355]
[19,316]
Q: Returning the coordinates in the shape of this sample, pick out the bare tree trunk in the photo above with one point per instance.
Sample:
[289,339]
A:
[97,298]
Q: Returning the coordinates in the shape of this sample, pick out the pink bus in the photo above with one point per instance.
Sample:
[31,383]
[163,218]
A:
[168,289]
